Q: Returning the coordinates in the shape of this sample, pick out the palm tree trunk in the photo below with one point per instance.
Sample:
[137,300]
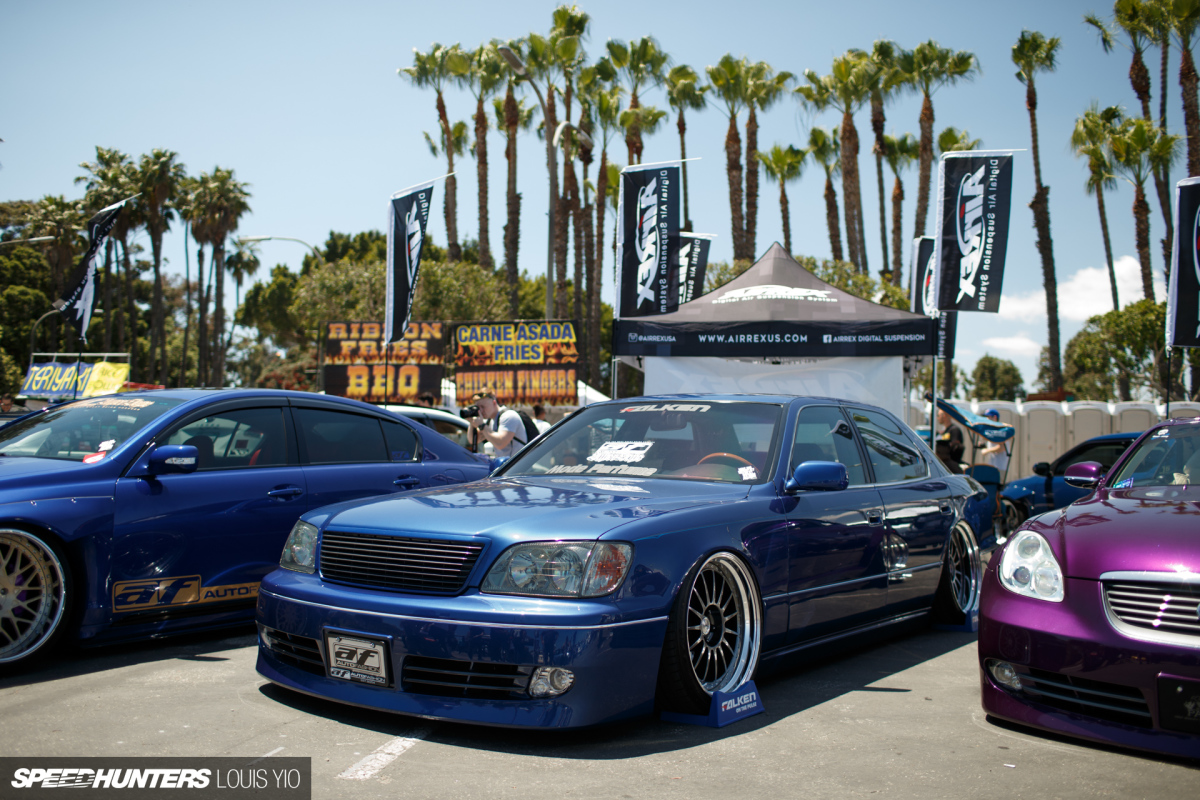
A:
[1191,108]
[560,230]
[1139,79]
[575,210]
[512,226]
[134,372]
[1041,223]
[218,334]
[787,224]
[897,231]
[118,307]
[633,136]
[750,242]
[202,359]
[1141,229]
[924,166]
[107,299]
[849,136]
[450,202]
[1162,178]
[187,310]
[682,128]
[1108,256]
[481,174]
[878,122]
[598,265]
[593,295]
[733,170]
[831,218]
[158,347]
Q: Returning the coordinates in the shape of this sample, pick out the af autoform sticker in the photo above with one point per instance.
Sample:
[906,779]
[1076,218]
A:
[621,451]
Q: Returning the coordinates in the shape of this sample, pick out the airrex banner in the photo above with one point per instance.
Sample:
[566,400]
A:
[924,296]
[974,199]
[693,262]
[408,213]
[78,302]
[1183,294]
[648,239]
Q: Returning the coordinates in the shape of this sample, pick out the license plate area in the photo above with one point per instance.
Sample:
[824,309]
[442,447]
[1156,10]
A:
[1179,704]
[358,659]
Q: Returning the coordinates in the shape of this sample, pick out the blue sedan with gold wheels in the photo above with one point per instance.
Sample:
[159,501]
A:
[144,514]
[645,552]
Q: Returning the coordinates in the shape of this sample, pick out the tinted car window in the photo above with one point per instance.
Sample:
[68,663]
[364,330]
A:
[245,437]
[893,457]
[822,434]
[402,444]
[86,429]
[1106,453]
[1170,456]
[335,437]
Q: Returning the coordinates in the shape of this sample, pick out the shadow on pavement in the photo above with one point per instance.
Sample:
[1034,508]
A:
[791,689]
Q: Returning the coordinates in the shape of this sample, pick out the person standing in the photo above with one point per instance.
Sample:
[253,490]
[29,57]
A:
[498,424]
[950,444]
[994,453]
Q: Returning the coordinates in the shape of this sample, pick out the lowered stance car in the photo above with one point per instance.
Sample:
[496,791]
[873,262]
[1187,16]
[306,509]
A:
[143,514]
[648,550]
[1090,614]
[1047,488]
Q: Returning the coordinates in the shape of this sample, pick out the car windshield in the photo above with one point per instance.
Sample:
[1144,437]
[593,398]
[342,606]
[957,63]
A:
[713,441]
[1169,456]
[83,431]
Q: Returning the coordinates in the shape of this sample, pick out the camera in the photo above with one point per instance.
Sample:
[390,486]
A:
[469,412]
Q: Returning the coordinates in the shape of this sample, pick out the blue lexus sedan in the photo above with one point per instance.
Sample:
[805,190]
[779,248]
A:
[648,551]
[149,513]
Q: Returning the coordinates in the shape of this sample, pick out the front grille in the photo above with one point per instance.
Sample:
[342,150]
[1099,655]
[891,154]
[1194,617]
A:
[478,680]
[1107,701]
[397,562]
[1170,610]
[298,651]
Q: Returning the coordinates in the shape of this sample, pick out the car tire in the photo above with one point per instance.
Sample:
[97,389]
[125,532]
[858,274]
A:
[35,595]
[1012,515]
[713,637]
[962,573]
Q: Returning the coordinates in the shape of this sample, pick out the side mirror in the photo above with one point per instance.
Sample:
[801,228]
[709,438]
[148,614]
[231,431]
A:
[170,459]
[1085,474]
[819,476]
[1041,468]
[498,462]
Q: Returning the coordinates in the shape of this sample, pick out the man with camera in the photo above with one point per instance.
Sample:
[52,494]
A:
[506,431]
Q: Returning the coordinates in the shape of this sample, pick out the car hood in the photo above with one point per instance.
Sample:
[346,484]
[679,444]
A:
[24,471]
[524,508]
[1150,529]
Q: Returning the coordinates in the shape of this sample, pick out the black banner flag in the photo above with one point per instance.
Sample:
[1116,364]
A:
[648,238]
[974,200]
[408,213]
[693,262]
[78,302]
[1183,293]
[924,295]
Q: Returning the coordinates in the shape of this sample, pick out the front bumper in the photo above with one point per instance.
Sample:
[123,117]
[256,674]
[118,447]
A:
[615,661]
[1080,677]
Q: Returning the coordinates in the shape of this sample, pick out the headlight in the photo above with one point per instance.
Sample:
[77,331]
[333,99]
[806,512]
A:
[300,550]
[559,569]
[1028,567]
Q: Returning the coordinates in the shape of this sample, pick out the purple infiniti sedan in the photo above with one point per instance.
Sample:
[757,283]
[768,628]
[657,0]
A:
[1089,620]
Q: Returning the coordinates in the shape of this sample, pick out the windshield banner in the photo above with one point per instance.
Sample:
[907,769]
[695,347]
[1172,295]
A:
[521,362]
[974,199]
[1183,294]
[648,239]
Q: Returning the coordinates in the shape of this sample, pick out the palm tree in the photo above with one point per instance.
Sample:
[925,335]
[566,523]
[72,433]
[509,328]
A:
[685,92]
[728,80]
[825,149]
[107,182]
[901,151]
[159,176]
[1185,18]
[229,201]
[887,81]
[1138,147]
[482,73]
[1092,139]
[1145,22]
[641,63]
[1034,53]
[606,104]
[512,116]
[846,88]
[432,70]
[242,263]
[763,89]
[569,28]
[784,164]
[63,220]
[927,68]
[951,139]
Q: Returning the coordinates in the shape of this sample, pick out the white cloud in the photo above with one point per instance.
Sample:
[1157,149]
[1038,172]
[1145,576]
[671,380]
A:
[1083,294]
[1029,307]
[1020,345]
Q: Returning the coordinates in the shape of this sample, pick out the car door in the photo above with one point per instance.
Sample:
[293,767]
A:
[835,567]
[917,508]
[199,542]
[348,455]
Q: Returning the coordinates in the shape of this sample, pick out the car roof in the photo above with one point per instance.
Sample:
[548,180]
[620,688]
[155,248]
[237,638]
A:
[1115,436]
[721,398]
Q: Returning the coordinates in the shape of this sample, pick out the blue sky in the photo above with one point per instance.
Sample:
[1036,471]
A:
[303,101]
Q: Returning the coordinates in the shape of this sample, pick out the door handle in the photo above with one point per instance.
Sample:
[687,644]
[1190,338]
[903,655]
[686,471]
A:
[875,516]
[945,507]
[287,491]
[407,481]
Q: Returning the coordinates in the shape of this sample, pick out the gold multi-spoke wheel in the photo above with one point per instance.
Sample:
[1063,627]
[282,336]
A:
[33,594]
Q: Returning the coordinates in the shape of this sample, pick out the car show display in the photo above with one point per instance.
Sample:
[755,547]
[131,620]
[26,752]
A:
[648,552]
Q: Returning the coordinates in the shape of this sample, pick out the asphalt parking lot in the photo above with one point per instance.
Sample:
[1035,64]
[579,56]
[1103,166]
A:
[898,719]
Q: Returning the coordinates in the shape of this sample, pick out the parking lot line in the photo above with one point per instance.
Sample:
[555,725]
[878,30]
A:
[389,752]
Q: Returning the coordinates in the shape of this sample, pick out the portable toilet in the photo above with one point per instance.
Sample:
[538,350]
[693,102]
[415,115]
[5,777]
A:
[1085,419]
[1044,434]
[1184,409]
[1133,417]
